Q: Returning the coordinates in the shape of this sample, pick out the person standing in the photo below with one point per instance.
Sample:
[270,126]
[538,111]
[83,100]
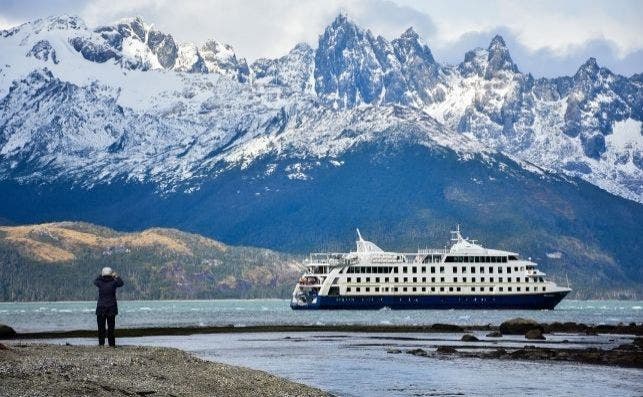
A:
[106,307]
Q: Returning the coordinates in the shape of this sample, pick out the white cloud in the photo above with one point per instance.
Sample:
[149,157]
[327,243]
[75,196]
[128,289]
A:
[548,37]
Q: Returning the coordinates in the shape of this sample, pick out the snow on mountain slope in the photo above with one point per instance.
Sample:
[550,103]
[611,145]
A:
[126,101]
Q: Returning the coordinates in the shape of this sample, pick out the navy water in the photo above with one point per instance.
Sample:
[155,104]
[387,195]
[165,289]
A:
[357,364]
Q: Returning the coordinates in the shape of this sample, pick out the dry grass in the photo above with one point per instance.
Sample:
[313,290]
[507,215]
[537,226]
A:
[55,242]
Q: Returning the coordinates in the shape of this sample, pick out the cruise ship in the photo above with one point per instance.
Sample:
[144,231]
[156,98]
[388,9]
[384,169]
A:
[465,276]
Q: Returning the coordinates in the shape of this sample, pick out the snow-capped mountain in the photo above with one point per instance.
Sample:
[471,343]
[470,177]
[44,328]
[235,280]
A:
[122,126]
[586,125]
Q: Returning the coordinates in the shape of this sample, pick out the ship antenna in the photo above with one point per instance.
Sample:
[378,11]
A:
[359,235]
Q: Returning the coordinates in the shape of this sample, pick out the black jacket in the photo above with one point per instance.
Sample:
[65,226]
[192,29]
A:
[106,305]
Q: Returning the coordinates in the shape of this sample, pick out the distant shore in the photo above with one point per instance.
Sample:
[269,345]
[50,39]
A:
[132,371]
[620,329]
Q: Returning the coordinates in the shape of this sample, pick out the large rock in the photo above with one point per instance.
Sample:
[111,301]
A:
[6,332]
[469,338]
[534,334]
[519,326]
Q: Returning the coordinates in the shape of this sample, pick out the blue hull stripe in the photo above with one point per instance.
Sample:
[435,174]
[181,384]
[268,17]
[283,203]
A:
[516,302]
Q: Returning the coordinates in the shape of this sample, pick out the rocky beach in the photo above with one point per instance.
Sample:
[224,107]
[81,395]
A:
[49,370]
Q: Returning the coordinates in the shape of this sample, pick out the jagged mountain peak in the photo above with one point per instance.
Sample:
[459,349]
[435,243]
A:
[499,58]
[589,68]
[410,33]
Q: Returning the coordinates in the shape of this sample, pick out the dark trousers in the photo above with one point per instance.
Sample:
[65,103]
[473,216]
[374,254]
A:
[111,323]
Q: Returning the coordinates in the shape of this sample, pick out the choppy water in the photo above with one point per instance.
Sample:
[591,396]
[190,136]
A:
[357,364]
[45,316]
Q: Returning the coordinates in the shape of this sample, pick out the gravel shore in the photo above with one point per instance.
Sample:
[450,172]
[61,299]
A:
[49,370]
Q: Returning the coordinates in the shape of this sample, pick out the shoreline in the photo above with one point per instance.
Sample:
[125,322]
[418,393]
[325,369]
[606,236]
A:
[133,371]
[569,327]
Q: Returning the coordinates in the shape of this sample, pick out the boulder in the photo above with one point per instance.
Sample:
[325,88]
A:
[535,334]
[446,350]
[394,351]
[6,332]
[494,334]
[417,352]
[519,326]
[469,338]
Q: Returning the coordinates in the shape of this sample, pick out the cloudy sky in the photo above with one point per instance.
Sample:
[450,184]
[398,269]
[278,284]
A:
[546,38]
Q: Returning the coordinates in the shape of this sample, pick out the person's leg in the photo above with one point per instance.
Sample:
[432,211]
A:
[100,319]
[111,324]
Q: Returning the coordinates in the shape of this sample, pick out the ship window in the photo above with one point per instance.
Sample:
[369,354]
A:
[432,279]
[518,289]
[491,279]
[450,289]
[543,288]
[441,289]
[527,289]
[476,259]
[463,269]
[441,279]
[500,279]
[473,279]
[415,279]
[359,279]
[513,258]
[541,280]
[406,279]
[458,289]
[482,279]
[424,279]
[368,279]
[517,279]
[509,289]
[377,289]
[455,269]
[368,289]
[405,269]
[500,270]
[333,291]
[397,280]
[423,269]
[404,289]
[348,280]
[515,268]
[415,289]
[386,279]
[504,259]
[432,269]
[464,279]
[473,269]
[415,269]
[491,289]
[455,279]
[394,289]
[377,279]
[482,270]
[449,259]
[500,288]
[432,289]
[490,269]
[357,289]
[473,289]
[441,269]
[423,289]
[509,270]
[493,259]
[481,289]
[508,279]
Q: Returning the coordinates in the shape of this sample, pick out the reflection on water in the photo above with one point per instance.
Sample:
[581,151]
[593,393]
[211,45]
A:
[39,316]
